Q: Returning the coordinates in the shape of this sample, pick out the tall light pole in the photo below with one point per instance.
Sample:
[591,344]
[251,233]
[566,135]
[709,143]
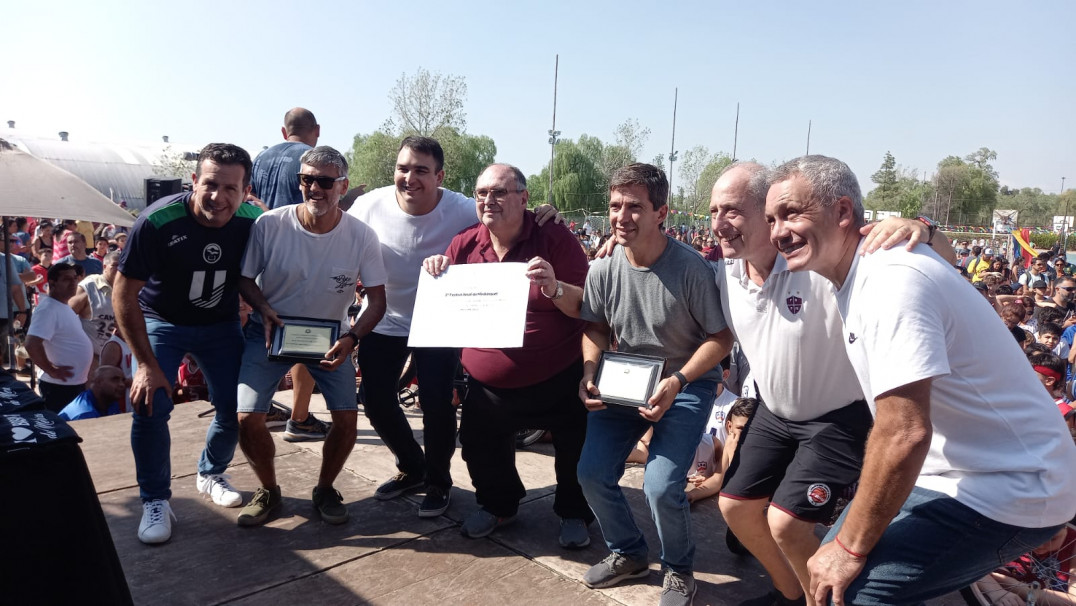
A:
[672,146]
[808,137]
[553,132]
[1064,224]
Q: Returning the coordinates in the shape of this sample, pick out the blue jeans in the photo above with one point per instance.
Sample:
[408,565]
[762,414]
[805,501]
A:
[934,546]
[217,348]
[259,376]
[611,434]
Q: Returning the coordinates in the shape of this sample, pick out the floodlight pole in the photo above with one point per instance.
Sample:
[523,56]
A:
[553,132]
[672,146]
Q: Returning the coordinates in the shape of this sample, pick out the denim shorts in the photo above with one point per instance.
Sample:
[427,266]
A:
[259,376]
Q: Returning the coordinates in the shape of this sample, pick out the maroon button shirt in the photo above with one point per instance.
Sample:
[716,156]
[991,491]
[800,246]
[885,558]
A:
[552,341]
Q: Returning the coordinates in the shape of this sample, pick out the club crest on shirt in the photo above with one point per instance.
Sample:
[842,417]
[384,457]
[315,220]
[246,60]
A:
[818,494]
[211,253]
[794,303]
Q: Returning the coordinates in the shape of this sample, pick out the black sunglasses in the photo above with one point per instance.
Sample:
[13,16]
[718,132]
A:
[323,182]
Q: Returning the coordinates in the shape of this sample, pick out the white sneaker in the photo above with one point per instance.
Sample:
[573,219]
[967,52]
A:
[156,526]
[217,487]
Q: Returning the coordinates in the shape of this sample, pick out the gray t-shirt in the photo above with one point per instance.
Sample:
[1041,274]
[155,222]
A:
[665,310]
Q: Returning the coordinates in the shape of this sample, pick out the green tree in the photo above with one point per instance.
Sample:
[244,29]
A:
[886,178]
[465,157]
[372,159]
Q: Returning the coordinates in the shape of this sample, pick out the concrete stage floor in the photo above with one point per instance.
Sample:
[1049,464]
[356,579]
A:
[385,554]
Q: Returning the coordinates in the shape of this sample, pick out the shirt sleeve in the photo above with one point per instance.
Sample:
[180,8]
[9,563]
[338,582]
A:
[372,265]
[594,292]
[254,256]
[140,256]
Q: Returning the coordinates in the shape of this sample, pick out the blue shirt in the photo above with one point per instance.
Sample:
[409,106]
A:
[84,406]
[90,265]
[191,271]
[274,178]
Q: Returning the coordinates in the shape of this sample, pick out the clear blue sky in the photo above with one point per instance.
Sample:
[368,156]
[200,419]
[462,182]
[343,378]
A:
[922,79]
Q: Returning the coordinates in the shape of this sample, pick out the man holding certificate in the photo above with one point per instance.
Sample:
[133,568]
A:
[534,386]
[299,274]
[656,302]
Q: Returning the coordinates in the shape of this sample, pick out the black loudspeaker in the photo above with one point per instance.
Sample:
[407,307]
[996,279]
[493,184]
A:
[159,188]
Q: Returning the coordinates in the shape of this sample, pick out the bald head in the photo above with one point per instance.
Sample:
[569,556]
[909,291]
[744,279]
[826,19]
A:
[300,125]
[108,384]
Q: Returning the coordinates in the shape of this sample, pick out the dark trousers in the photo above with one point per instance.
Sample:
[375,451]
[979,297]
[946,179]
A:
[381,359]
[491,418]
[57,396]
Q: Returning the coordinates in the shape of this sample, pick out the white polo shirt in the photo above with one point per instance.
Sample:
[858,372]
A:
[406,241]
[790,330]
[999,444]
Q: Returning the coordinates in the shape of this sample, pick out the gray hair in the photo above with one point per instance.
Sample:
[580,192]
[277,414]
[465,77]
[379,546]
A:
[758,183]
[112,258]
[322,156]
[521,180]
[830,181]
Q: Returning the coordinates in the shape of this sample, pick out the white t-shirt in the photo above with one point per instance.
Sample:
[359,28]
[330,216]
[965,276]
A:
[66,344]
[102,318]
[716,425]
[406,241]
[998,445]
[789,329]
[311,275]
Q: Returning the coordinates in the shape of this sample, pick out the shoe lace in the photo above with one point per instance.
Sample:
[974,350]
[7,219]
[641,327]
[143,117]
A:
[155,511]
[220,483]
[261,496]
[674,581]
[400,477]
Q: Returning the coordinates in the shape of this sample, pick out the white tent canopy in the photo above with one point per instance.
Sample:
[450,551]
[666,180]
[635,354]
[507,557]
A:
[31,187]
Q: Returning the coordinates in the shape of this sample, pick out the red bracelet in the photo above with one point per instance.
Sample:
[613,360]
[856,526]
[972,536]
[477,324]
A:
[850,552]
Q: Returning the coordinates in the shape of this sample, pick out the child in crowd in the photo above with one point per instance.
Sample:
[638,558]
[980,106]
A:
[717,446]
[1050,565]
[1050,336]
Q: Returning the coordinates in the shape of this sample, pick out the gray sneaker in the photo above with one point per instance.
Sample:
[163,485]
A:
[678,589]
[481,523]
[614,569]
[310,429]
[573,533]
[277,416]
[262,505]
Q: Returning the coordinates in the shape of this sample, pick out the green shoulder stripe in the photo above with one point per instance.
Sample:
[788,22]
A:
[248,211]
[168,213]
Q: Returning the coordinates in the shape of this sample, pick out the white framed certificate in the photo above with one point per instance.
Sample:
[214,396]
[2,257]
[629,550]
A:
[471,305]
[628,379]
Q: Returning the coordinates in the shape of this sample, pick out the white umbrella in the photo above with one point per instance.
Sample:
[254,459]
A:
[31,187]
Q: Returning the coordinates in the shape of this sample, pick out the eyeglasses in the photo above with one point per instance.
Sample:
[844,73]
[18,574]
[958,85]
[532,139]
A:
[323,182]
[1067,288]
[496,194]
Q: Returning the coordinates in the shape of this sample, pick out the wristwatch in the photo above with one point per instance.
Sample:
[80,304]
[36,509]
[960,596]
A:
[556,295]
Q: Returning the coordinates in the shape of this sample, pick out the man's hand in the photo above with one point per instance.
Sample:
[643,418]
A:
[589,394]
[545,212]
[269,320]
[606,249]
[340,350]
[662,399]
[892,231]
[436,265]
[146,382]
[541,273]
[832,570]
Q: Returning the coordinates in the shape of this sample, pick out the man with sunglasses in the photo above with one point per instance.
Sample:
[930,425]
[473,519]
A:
[304,261]
[275,183]
[414,219]
[177,292]
[1035,274]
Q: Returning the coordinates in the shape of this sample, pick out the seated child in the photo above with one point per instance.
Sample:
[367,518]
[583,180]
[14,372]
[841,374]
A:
[717,446]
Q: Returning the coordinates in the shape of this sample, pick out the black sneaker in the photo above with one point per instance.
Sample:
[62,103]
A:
[614,569]
[330,504]
[678,589]
[435,502]
[398,485]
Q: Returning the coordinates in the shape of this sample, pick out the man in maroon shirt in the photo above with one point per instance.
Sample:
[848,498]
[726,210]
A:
[535,386]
